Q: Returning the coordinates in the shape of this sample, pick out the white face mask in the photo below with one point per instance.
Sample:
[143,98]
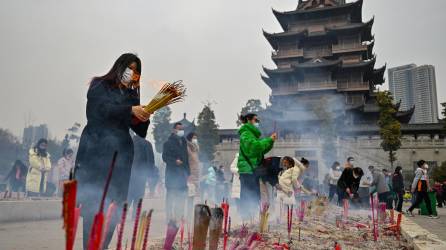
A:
[180,133]
[426,166]
[127,76]
[195,141]
[337,168]
[257,125]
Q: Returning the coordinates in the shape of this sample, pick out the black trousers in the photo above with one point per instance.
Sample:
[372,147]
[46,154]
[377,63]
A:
[386,198]
[331,191]
[249,196]
[399,201]
[422,195]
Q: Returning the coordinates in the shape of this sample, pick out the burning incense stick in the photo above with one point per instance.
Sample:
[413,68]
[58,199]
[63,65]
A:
[172,230]
[225,207]
[141,227]
[121,227]
[202,217]
[135,225]
[146,230]
[264,214]
[215,227]
[97,227]
[375,234]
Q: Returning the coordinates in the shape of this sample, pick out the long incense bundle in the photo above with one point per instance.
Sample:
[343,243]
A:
[147,229]
[135,226]
[170,93]
[202,217]
[254,237]
[68,212]
[345,214]
[264,215]
[375,232]
[225,207]
[121,227]
[181,233]
[172,230]
[382,212]
[189,238]
[141,227]
[110,212]
[96,230]
[290,220]
[215,227]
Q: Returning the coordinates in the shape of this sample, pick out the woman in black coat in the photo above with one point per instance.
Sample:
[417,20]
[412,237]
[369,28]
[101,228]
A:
[113,108]
[398,187]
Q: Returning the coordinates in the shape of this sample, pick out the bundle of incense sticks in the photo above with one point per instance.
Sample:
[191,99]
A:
[135,225]
[264,215]
[121,227]
[189,238]
[225,207]
[181,233]
[202,217]
[141,227]
[215,227]
[69,212]
[382,212]
[171,233]
[108,217]
[97,227]
[392,216]
[290,220]
[146,230]
[302,211]
[254,237]
[170,93]
[375,230]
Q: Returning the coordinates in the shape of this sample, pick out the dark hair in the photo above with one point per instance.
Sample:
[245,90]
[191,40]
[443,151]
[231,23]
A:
[358,171]
[20,164]
[304,161]
[420,163]
[335,164]
[398,169]
[67,151]
[177,124]
[350,158]
[385,170]
[190,136]
[113,77]
[248,117]
[37,147]
[289,159]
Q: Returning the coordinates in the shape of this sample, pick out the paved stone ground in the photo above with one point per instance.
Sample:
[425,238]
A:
[435,226]
[49,234]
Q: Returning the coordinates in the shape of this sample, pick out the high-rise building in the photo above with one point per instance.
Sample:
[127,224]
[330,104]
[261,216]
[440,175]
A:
[32,134]
[415,86]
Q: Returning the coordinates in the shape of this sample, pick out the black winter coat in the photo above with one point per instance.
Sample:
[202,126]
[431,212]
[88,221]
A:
[143,166]
[175,148]
[347,180]
[398,183]
[107,130]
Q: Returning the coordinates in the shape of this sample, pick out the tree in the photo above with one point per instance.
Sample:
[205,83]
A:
[252,106]
[390,127]
[161,127]
[207,132]
[439,173]
[10,150]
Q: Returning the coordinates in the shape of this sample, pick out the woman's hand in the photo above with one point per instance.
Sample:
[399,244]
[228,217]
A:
[274,136]
[140,113]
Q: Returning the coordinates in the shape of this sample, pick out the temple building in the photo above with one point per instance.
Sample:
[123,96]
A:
[326,73]
[325,52]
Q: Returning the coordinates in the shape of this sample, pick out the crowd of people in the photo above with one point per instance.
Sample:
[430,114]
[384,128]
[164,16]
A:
[113,109]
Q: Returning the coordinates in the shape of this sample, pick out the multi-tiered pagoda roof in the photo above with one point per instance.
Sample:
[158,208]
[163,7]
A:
[325,49]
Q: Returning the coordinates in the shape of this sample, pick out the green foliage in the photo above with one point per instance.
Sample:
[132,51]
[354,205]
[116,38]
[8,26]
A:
[390,127]
[207,132]
[252,106]
[161,127]
[10,150]
[439,173]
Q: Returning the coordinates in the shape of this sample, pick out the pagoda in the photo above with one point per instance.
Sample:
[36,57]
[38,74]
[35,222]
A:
[325,52]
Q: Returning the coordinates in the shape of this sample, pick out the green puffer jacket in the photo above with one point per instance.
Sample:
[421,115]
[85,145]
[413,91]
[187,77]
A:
[253,147]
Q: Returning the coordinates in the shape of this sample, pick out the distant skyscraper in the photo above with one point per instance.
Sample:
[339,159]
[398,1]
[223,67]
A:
[32,134]
[415,85]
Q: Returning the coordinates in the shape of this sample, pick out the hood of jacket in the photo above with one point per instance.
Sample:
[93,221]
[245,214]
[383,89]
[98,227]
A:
[251,128]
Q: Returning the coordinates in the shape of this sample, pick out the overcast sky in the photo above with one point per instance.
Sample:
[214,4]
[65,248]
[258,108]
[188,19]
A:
[49,49]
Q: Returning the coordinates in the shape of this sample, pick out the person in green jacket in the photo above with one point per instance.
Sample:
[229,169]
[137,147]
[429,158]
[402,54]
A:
[251,152]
